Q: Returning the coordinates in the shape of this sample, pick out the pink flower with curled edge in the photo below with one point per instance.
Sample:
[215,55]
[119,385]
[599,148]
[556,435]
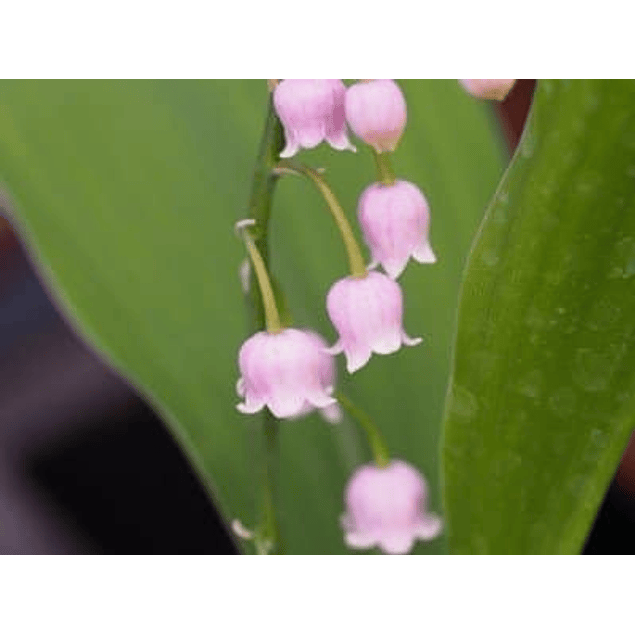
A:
[488,88]
[387,508]
[395,220]
[284,371]
[333,413]
[311,111]
[376,112]
[367,314]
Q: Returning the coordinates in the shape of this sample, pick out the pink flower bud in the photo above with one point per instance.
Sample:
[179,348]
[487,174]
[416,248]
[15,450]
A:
[367,314]
[311,111]
[376,112]
[387,508]
[284,371]
[395,221]
[488,88]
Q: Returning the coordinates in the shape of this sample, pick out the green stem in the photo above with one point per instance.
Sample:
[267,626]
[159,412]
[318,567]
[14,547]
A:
[269,526]
[272,317]
[385,172]
[355,258]
[375,439]
[259,209]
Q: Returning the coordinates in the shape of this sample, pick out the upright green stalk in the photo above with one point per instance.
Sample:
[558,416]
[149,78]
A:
[259,209]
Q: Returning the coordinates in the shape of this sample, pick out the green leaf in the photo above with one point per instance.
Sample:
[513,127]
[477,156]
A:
[127,193]
[542,399]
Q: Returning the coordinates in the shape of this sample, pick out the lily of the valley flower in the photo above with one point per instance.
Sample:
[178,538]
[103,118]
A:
[376,112]
[367,313]
[311,111]
[395,220]
[386,507]
[488,88]
[285,371]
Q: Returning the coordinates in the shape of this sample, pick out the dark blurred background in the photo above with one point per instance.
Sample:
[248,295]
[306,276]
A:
[72,433]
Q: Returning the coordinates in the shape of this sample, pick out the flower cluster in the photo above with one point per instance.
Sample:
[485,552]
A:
[291,371]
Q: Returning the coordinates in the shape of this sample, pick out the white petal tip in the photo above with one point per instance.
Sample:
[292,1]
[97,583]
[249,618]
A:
[425,255]
[248,410]
[336,349]
[410,341]
[352,366]
[430,528]
[332,414]
[289,152]
[394,272]
[242,224]
[341,144]
[241,531]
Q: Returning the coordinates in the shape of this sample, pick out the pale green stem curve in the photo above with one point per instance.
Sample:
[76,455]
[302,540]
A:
[355,259]
[375,439]
[272,317]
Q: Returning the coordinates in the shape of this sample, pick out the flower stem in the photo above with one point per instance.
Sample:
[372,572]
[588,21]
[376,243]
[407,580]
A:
[259,209]
[385,172]
[375,439]
[355,258]
[268,535]
[272,317]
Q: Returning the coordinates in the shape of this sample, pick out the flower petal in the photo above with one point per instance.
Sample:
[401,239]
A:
[424,254]
[250,407]
[410,341]
[357,358]
[429,527]
[359,540]
[332,414]
[394,267]
[397,543]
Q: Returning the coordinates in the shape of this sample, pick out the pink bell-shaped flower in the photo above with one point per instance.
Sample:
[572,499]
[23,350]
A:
[367,314]
[284,371]
[395,220]
[387,508]
[488,88]
[311,111]
[376,112]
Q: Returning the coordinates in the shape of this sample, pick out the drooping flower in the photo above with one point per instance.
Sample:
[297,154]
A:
[488,88]
[376,112]
[284,371]
[395,220]
[311,111]
[386,507]
[367,314]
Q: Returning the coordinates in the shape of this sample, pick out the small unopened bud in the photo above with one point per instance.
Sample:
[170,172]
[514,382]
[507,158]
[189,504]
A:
[496,89]
[376,112]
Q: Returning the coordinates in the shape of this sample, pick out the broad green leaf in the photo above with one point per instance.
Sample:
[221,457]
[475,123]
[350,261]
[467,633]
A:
[542,400]
[126,194]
